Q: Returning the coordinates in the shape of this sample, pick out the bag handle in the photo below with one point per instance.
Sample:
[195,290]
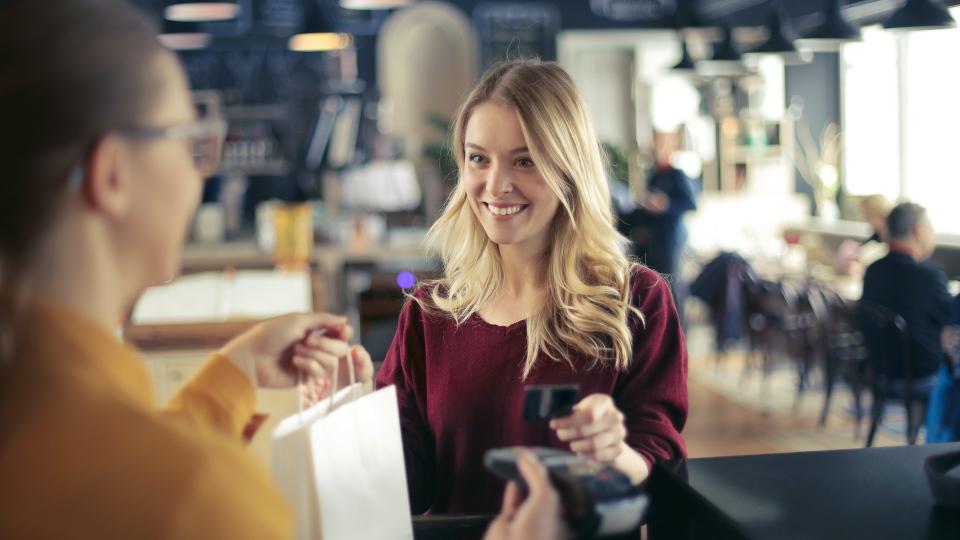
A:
[355,393]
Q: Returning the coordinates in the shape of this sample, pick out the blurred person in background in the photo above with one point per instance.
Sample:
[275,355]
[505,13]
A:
[908,284]
[853,257]
[104,159]
[874,209]
[655,227]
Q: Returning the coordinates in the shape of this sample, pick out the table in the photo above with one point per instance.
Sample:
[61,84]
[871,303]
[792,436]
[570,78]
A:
[870,493]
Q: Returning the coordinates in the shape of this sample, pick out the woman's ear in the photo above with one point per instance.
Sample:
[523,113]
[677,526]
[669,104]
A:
[106,187]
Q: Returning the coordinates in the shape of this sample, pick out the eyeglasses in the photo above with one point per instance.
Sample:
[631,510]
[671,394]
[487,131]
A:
[205,138]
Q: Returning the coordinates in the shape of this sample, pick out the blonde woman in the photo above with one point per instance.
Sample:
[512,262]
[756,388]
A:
[536,290]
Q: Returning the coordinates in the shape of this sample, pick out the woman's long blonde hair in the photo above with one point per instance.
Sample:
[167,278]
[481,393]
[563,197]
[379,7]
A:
[587,305]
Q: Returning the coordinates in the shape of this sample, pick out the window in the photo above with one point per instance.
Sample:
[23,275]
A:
[932,113]
[871,118]
[889,77]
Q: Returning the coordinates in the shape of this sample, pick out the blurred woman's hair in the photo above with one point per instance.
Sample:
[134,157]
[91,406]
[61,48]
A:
[587,305]
[875,204]
[71,72]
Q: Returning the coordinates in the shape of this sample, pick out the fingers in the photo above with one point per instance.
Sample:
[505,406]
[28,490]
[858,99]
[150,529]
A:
[595,429]
[512,497]
[314,362]
[362,363]
[594,414]
[588,424]
[599,443]
[319,342]
[536,477]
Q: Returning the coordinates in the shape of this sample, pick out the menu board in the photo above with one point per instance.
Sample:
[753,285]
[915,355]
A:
[516,30]
[634,10]
[278,17]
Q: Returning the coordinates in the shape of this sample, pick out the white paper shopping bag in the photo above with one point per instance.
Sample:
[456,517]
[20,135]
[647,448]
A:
[341,465]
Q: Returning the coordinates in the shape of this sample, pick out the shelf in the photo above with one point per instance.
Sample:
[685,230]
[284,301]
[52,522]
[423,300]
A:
[275,168]
[747,154]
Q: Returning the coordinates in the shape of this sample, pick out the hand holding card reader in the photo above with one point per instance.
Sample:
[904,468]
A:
[598,499]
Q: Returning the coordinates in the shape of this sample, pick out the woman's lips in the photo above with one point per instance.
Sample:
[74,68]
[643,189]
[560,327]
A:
[503,212]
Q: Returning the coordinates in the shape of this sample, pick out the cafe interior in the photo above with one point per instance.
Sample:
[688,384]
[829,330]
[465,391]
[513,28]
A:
[790,141]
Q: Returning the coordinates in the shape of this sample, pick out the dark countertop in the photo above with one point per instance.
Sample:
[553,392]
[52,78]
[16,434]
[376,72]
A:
[869,493]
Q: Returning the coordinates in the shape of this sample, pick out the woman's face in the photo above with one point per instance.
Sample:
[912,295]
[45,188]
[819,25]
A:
[507,193]
[166,184]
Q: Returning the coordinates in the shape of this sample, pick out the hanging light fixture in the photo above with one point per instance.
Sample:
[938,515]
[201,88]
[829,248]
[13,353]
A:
[726,60]
[920,15]
[201,11]
[686,63]
[691,24]
[319,33]
[781,39]
[833,31]
[183,36]
[374,4]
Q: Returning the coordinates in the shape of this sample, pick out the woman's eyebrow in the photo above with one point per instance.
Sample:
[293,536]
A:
[517,150]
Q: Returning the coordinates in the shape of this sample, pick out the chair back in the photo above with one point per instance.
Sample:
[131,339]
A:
[887,341]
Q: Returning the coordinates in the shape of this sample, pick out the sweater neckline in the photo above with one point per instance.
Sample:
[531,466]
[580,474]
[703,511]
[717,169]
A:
[522,323]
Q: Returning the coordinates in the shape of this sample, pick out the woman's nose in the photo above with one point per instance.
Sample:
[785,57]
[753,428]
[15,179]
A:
[499,181]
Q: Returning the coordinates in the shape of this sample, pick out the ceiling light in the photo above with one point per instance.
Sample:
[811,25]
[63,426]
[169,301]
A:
[833,31]
[920,15]
[197,11]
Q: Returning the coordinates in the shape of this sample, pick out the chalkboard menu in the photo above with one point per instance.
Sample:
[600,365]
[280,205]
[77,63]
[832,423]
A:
[516,30]
[278,17]
[634,10]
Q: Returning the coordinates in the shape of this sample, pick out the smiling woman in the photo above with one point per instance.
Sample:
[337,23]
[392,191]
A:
[505,189]
[536,290]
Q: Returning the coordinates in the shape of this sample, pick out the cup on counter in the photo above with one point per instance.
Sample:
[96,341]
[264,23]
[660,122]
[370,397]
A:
[293,235]
[209,224]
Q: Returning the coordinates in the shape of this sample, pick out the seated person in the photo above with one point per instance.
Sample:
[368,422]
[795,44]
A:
[536,290]
[908,284]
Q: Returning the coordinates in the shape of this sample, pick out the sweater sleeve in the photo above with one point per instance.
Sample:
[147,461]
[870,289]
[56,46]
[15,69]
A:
[220,397]
[230,497]
[405,368]
[652,392]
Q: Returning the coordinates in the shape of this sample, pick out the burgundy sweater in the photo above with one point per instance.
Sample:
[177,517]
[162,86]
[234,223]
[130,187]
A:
[460,393]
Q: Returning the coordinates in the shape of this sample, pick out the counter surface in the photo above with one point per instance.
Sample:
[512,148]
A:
[870,493]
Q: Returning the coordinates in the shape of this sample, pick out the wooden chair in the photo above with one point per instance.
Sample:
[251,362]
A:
[845,358]
[888,349]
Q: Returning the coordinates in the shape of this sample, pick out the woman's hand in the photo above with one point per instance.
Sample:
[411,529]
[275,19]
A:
[539,516]
[268,352]
[595,429]
[317,387]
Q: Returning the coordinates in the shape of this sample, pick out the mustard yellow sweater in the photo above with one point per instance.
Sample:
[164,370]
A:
[84,453]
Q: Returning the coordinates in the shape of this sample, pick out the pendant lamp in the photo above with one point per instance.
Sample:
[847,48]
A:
[686,63]
[833,31]
[726,60]
[920,15]
[201,11]
[374,4]
[319,33]
[184,36]
[781,39]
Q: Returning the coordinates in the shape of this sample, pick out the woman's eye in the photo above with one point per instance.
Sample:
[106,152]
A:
[475,158]
[525,162]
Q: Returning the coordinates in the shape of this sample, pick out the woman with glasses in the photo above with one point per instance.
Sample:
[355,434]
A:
[103,161]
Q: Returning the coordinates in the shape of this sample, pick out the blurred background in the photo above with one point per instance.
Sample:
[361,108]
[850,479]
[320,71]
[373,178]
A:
[783,116]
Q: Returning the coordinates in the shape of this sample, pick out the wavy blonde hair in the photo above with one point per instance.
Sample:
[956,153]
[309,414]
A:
[587,307]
